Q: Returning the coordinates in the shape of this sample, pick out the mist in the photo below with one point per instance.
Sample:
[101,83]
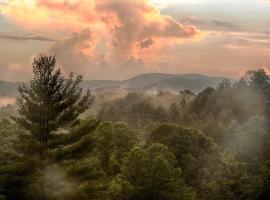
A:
[134,100]
[4,101]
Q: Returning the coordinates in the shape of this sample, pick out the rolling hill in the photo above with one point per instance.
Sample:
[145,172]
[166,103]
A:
[154,82]
[9,89]
[148,83]
[193,82]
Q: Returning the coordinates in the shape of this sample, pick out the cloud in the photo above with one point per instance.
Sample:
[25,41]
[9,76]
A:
[249,43]
[263,1]
[223,24]
[212,25]
[146,43]
[25,38]
[13,71]
[133,22]
[244,40]
[222,54]
[119,38]
[124,28]
[80,52]
[77,52]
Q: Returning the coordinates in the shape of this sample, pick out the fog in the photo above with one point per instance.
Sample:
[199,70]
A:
[4,101]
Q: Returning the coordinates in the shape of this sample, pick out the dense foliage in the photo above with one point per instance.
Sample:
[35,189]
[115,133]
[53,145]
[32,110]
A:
[208,146]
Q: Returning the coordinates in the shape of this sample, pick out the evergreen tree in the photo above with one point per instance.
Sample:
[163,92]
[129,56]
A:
[148,174]
[50,102]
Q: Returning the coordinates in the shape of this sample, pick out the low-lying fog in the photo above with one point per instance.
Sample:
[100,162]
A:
[4,101]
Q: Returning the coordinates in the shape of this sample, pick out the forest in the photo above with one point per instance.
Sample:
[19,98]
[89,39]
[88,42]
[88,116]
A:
[62,142]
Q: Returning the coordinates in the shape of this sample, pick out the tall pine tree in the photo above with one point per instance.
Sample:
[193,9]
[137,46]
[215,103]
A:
[50,102]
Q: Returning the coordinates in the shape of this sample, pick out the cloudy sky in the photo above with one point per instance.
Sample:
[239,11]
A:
[116,39]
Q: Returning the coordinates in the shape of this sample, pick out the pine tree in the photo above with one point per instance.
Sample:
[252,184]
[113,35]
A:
[50,102]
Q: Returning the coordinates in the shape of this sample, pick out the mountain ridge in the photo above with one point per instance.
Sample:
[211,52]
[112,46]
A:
[149,82]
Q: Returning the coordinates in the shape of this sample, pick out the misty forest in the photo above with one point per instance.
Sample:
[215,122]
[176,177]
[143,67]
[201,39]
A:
[62,142]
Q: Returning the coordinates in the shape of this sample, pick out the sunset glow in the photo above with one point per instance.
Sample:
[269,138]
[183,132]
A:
[134,99]
[166,36]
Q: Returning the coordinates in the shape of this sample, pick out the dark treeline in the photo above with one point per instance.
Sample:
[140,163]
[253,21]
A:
[208,146]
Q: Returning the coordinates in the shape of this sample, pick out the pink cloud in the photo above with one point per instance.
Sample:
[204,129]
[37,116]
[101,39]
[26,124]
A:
[121,25]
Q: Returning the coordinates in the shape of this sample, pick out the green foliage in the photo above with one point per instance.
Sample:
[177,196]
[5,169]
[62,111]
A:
[113,141]
[136,110]
[7,111]
[151,174]
[16,171]
[8,134]
[197,155]
[77,143]
[16,178]
[50,102]
[119,189]
[92,154]
[224,156]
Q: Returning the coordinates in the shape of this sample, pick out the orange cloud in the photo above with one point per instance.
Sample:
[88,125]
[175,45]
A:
[126,29]
[40,15]
[137,21]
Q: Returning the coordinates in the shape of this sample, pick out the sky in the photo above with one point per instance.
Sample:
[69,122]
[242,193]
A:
[117,39]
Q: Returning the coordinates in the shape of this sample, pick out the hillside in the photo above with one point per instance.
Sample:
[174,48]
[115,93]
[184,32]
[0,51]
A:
[193,82]
[152,82]
[142,80]
[8,88]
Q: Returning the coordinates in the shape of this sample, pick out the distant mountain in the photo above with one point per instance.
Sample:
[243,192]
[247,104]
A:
[149,83]
[145,79]
[95,84]
[9,89]
[193,82]
[154,82]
